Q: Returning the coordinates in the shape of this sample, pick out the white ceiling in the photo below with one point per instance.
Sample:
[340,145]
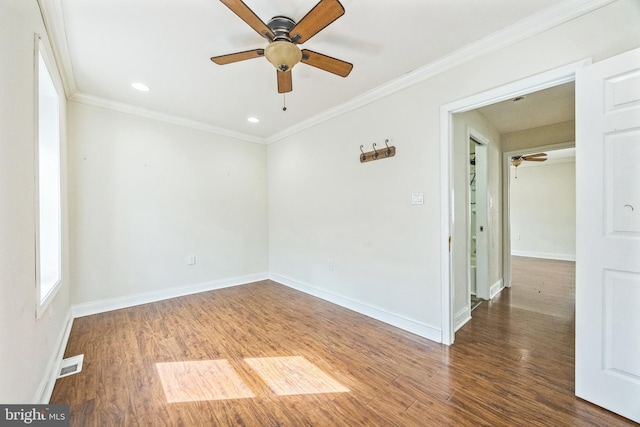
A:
[544,107]
[167,44]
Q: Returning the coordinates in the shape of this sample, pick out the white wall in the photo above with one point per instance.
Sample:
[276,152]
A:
[462,122]
[543,211]
[28,347]
[147,194]
[324,204]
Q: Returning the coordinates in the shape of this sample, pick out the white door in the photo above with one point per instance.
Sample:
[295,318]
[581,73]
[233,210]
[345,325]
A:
[608,234]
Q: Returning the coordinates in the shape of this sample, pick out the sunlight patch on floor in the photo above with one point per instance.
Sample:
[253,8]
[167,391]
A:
[194,381]
[294,375]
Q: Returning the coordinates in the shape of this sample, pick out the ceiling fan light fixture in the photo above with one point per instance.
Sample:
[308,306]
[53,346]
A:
[284,55]
[516,161]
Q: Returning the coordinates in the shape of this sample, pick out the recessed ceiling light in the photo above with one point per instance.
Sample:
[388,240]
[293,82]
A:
[140,86]
[253,119]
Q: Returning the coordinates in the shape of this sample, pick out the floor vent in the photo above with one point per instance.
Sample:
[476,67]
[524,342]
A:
[71,365]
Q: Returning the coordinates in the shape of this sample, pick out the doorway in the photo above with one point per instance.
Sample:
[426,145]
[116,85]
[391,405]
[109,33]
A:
[478,254]
[541,197]
[521,88]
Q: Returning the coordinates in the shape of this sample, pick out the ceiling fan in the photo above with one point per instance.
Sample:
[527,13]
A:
[284,34]
[517,160]
[539,157]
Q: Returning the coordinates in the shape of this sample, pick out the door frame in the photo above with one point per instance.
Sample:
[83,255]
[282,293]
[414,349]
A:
[506,200]
[555,77]
[482,216]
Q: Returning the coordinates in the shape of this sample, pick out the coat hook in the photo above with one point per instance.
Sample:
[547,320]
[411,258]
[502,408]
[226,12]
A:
[629,206]
[389,151]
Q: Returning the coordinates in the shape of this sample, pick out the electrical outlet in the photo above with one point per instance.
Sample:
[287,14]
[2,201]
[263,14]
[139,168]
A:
[191,259]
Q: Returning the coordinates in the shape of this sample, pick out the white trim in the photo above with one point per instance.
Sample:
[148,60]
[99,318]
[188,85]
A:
[544,80]
[446,223]
[496,288]
[101,306]
[43,394]
[96,101]
[401,322]
[41,51]
[545,255]
[462,317]
[483,250]
[53,18]
[521,30]
[540,81]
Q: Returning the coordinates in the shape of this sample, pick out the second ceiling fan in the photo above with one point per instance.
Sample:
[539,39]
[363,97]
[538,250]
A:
[284,34]
[538,157]
[517,160]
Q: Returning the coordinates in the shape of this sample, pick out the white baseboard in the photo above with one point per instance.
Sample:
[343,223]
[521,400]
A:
[418,328]
[461,318]
[95,307]
[43,394]
[544,255]
[496,288]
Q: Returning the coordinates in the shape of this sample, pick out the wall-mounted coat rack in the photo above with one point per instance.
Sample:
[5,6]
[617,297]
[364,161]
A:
[382,153]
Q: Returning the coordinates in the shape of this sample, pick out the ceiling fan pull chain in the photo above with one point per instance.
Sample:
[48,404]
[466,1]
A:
[284,102]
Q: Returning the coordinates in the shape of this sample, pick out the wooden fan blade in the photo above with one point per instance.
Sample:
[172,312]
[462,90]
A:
[239,56]
[284,81]
[247,15]
[536,155]
[326,63]
[322,14]
[534,159]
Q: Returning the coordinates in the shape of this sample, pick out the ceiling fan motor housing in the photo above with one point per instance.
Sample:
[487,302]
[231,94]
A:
[281,26]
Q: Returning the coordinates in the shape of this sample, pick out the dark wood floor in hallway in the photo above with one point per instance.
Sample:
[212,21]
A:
[265,355]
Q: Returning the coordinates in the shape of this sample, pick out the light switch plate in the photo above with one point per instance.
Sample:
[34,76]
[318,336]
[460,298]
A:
[417,198]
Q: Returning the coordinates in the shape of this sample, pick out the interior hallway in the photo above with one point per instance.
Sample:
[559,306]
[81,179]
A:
[266,355]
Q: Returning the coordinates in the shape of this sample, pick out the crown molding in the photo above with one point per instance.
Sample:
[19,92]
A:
[532,25]
[122,107]
[523,29]
[53,18]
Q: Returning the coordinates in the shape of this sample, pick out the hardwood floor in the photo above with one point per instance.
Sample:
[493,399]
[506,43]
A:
[265,355]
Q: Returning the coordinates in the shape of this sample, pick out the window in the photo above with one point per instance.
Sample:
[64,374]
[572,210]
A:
[49,212]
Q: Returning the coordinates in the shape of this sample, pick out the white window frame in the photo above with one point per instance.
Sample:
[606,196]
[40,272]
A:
[48,180]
